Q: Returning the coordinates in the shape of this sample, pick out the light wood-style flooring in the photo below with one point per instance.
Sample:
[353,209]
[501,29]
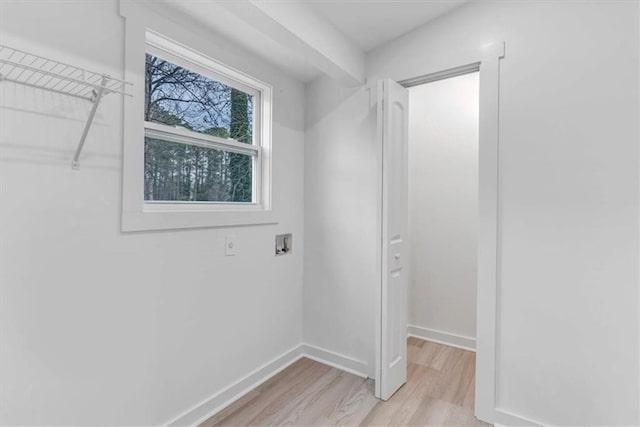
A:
[439,392]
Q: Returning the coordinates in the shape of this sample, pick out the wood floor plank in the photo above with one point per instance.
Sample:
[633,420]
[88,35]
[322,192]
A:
[229,410]
[462,375]
[294,369]
[440,391]
[294,396]
[354,407]
[276,394]
[314,411]
[409,405]
[306,407]
[414,353]
[424,355]
[415,341]
[446,358]
[470,398]
[384,412]
[432,412]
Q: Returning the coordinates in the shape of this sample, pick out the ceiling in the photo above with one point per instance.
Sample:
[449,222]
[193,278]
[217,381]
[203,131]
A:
[365,24]
[371,23]
[233,28]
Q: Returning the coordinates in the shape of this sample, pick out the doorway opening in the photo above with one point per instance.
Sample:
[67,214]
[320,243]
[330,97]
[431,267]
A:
[442,240]
[393,224]
[443,210]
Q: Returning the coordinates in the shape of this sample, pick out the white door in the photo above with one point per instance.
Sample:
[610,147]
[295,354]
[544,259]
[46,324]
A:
[393,103]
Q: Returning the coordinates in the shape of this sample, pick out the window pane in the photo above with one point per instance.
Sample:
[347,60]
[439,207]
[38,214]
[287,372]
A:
[177,96]
[188,173]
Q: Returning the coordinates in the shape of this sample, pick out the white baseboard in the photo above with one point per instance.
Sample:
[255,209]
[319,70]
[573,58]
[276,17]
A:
[441,337]
[342,362]
[214,404]
[506,418]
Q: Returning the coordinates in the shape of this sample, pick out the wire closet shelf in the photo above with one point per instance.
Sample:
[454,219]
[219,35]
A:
[36,71]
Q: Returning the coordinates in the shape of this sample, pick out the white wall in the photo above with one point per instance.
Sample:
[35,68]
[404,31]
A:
[443,209]
[100,327]
[568,297]
[569,199]
[340,243]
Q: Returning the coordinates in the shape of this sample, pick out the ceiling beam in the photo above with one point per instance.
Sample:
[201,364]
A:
[305,34]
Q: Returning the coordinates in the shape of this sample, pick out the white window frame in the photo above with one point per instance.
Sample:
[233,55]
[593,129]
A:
[173,44]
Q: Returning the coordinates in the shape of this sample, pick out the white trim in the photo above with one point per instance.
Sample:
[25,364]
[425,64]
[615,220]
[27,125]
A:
[446,74]
[488,56]
[197,206]
[188,137]
[447,338]
[488,234]
[379,218]
[225,397]
[336,360]
[506,418]
[638,178]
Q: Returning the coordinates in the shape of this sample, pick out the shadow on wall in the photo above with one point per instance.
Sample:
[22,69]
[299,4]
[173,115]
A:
[340,221]
[328,97]
[42,30]
[44,127]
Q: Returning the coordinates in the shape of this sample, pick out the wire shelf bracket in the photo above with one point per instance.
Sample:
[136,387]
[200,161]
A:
[36,71]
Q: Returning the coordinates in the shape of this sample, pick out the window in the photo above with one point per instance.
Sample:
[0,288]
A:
[199,136]
[203,156]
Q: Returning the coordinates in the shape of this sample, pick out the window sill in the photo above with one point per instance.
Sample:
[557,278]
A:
[210,207]
[150,220]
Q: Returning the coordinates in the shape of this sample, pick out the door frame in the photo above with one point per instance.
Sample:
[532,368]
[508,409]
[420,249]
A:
[486,61]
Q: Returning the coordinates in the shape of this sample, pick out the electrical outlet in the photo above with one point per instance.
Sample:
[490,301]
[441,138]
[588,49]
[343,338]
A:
[231,246]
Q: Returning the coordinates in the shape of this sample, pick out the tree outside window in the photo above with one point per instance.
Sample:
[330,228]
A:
[178,97]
